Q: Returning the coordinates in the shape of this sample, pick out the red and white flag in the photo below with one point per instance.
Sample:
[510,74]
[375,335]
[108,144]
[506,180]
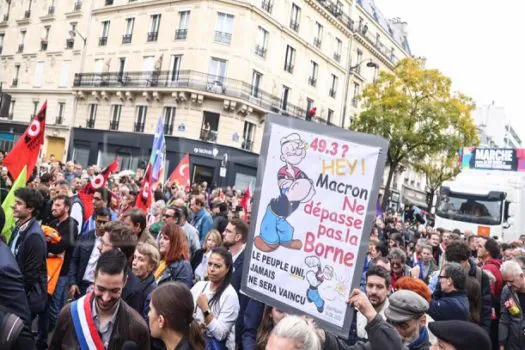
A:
[145,195]
[181,175]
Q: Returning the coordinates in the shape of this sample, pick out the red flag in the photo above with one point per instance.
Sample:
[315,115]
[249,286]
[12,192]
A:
[245,201]
[144,197]
[99,181]
[181,174]
[27,148]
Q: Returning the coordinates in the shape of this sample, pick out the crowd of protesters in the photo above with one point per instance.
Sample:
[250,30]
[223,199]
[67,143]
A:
[171,278]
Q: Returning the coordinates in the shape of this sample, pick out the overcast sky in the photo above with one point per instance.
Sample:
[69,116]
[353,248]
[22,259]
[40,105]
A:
[478,44]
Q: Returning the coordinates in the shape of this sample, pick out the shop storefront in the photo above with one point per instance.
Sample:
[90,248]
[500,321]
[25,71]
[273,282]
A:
[415,197]
[216,164]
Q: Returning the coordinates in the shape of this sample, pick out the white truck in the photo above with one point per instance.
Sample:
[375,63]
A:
[488,202]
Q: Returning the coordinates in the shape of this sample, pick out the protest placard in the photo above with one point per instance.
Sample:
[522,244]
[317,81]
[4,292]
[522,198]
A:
[313,211]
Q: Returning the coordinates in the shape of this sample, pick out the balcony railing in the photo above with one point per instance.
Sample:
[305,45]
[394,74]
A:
[267,6]
[181,34]
[186,79]
[208,135]
[102,41]
[317,42]
[90,123]
[153,36]
[78,6]
[43,45]
[14,83]
[260,51]
[377,44]
[289,68]
[113,125]
[337,57]
[27,14]
[223,37]
[126,38]
[294,25]
[312,81]
[247,145]
[332,93]
[70,43]
[21,48]
[59,120]
[139,127]
[335,11]
[51,10]
[168,129]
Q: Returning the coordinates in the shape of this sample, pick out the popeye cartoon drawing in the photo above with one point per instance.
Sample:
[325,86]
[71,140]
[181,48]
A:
[315,277]
[294,188]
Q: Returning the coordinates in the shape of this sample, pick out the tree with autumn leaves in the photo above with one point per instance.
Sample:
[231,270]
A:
[424,120]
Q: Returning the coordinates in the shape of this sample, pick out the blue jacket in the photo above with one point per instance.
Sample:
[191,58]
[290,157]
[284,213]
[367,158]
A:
[449,306]
[177,271]
[252,320]
[203,222]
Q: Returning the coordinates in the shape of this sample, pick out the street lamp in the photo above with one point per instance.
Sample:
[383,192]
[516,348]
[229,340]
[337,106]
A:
[369,64]
[74,33]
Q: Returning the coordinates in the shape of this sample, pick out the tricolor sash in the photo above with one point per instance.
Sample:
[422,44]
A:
[87,334]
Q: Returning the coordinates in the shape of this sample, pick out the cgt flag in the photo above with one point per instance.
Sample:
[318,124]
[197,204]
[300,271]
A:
[144,197]
[8,203]
[181,175]
[99,181]
[27,148]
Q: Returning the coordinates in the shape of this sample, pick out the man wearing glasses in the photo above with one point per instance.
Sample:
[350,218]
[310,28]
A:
[450,302]
[101,199]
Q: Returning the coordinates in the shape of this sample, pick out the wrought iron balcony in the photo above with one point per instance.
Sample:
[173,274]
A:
[14,83]
[168,129]
[102,41]
[139,127]
[181,34]
[126,38]
[70,43]
[247,145]
[294,25]
[113,125]
[21,48]
[78,6]
[43,45]
[27,14]
[332,93]
[223,37]
[288,68]
[336,11]
[317,42]
[90,123]
[260,51]
[337,57]
[186,79]
[51,10]
[267,6]
[153,36]
[59,120]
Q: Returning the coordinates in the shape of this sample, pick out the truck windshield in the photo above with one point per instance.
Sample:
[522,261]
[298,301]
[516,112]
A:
[468,208]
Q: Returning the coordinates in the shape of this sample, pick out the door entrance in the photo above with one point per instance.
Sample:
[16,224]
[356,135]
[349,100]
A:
[55,146]
[203,173]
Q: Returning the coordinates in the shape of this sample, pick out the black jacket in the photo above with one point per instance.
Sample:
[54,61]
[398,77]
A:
[449,306]
[12,291]
[68,231]
[243,299]
[196,259]
[486,297]
[31,255]
[80,258]
[134,294]
[220,221]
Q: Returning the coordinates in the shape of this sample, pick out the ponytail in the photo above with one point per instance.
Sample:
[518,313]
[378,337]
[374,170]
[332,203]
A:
[195,337]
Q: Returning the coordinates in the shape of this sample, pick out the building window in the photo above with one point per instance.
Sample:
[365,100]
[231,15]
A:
[261,42]
[115,117]
[39,75]
[169,120]
[103,40]
[174,69]
[60,117]
[128,34]
[142,111]
[216,75]
[378,40]
[35,109]
[312,79]
[285,94]
[355,95]
[22,41]
[256,83]
[318,38]
[248,136]
[17,74]
[224,28]
[90,123]
[295,17]
[121,70]
[289,59]
[338,49]
[2,35]
[11,109]
[330,117]
[153,35]
[359,59]
[70,41]
[182,32]
[210,126]
[333,86]
[267,5]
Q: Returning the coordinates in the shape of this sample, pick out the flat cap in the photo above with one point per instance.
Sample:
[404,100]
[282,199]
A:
[405,305]
[461,334]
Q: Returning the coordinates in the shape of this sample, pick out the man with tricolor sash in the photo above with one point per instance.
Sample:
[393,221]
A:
[101,319]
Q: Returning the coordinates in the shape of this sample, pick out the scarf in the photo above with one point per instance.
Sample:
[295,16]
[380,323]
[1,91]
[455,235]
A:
[85,329]
[421,340]
[160,269]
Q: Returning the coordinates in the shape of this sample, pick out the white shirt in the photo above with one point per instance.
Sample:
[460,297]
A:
[76,213]
[225,313]
[202,268]
[89,275]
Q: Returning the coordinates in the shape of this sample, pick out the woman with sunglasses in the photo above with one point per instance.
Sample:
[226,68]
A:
[174,264]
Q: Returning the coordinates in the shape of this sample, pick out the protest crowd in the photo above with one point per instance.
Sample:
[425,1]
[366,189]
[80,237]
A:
[95,270]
